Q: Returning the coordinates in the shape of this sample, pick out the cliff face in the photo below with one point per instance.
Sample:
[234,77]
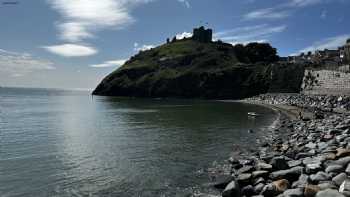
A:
[187,69]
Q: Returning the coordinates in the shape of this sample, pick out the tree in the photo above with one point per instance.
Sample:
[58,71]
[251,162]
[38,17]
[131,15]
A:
[261,52]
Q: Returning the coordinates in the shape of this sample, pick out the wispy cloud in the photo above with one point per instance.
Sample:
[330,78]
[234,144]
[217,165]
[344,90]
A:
[183,35]
[327,43]
[19,64]
[303,3]
[186,3]
[71,50]
[281,10]
[267,13]
[112,63]
[138,47]
[82,18]
[258,33]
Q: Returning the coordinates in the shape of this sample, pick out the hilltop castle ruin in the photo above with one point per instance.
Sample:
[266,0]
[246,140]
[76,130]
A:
[202,35]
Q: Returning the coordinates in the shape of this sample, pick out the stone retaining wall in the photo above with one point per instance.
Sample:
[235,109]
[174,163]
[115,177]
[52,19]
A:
[326,82]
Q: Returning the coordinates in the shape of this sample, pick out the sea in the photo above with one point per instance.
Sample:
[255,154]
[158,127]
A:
[69,143]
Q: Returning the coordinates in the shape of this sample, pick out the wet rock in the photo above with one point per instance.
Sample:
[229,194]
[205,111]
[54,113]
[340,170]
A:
[258,188]
[334,169]
[302,181]
[311,190]
[329,193]
[258,180]
[281,185]
[327,185]
[330,156]
[222,181]
[339,179]
[244,178]
[310,145]
[342,152]
[345,188]
[279,163]
[245,169]
[298,192]
[347,170]
[294,163]
[303,155]
[343,161]
[232,190]
[319,176]
[313,168]
[269,190]
[290,174]
[248,190]
[260,173]
[264,166]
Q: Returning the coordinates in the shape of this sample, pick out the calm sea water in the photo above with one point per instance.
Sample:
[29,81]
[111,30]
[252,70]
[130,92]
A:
[66,143]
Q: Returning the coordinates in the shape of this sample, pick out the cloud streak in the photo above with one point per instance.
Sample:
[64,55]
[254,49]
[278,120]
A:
[112,63]
[327,43]
[257,33]
[82,18]
[19,64]
[280,11]
[71,50]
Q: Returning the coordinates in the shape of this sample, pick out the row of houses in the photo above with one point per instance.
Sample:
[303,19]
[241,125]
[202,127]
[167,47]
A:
[327,57]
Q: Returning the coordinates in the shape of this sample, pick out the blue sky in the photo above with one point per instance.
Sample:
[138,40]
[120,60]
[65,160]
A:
[74,44]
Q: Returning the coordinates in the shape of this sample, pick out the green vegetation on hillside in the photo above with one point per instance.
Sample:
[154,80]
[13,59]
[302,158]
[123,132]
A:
[187,68]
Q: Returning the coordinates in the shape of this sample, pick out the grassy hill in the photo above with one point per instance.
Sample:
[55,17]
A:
[188,68]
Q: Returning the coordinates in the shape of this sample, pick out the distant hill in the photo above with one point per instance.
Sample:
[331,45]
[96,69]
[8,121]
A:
[193,69]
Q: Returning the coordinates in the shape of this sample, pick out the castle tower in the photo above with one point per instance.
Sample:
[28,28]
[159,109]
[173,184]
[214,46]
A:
[202,35]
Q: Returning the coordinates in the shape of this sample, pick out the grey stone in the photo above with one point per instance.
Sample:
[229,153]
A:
[268,190]
[260,173]
[319,176]
[258,188]
[244,178]
[290,174]
[327,185]
[245,169]
[232,189]
[334,168]
[322,145]
[293,192]
[248,190]
[279,163]
[343,161]
[345,188]
[310,145]
[302,181]
[329,193]
[258,180]
[264,166]
[347,170]
[222,181]
[313,168]
[339,179]
[294,163]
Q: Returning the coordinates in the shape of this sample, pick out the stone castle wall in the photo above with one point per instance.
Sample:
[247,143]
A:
[326,82]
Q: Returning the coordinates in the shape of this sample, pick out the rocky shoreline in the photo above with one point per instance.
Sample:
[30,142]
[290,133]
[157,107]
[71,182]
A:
[309,156]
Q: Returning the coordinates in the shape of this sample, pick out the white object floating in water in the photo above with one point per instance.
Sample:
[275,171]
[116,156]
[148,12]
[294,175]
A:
[252,114]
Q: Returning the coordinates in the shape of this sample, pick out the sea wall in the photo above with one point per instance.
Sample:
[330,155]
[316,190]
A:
[329,82]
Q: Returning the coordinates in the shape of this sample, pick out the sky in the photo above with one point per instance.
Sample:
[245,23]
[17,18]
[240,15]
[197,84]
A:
[73,44]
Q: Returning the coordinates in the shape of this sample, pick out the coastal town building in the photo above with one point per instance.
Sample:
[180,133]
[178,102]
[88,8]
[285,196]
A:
[328,58]
[345,52]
